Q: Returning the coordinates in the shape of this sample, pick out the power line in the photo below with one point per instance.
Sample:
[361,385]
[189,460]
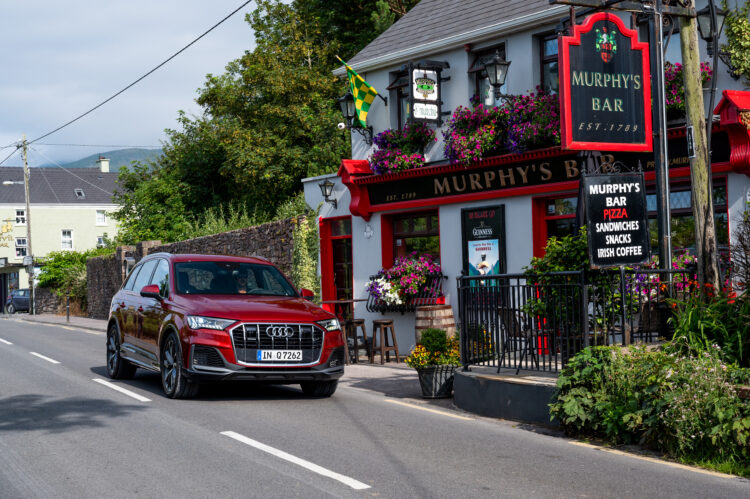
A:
[8,156]
[68,171]
[99,145]
[141,78]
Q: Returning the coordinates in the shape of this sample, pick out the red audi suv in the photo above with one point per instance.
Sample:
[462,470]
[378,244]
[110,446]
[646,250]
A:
[199,318]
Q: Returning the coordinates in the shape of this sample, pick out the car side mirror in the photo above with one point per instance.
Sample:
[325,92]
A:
[152,291]
[307,294]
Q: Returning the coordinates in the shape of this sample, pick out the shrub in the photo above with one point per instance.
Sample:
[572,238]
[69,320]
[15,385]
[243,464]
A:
[64,272]
[434,349]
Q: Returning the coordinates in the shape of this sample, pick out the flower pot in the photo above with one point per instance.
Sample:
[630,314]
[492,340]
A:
[436,381]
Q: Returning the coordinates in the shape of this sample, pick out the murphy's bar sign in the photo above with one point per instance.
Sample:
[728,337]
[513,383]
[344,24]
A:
[605,87]
[616,219]
[531,172]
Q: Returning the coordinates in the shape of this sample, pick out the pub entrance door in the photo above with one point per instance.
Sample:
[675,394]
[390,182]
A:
[337,278]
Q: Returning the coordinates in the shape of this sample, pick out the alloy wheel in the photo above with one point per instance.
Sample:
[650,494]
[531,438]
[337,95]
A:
[170,365]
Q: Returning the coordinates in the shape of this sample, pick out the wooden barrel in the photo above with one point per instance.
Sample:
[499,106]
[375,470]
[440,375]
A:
[434,316]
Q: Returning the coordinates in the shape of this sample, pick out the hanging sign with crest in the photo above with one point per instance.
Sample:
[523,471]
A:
[425,100]
[605,87]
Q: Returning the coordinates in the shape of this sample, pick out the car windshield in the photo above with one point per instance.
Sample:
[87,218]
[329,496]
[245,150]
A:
[230,278]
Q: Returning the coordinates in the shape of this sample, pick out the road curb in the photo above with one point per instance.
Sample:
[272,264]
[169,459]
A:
[32,319]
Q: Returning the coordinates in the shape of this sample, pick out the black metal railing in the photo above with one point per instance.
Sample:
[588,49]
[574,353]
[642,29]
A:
[428,294]
[539,321]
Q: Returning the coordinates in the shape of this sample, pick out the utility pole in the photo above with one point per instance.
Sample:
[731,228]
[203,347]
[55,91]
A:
[700,164]
[30,269]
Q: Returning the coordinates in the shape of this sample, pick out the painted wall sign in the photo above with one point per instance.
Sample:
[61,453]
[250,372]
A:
[527,173]
[483,236]
[616,219]
[605,87]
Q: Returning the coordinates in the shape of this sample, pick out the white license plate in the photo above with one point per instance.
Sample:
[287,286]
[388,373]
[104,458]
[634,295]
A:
[277,355]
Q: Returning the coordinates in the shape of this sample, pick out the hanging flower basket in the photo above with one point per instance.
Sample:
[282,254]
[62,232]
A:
[436,381]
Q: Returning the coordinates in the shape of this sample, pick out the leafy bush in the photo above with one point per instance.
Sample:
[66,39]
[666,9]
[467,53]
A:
[434,349]
[305,254]
[686,407]
[736,52]
[65,273]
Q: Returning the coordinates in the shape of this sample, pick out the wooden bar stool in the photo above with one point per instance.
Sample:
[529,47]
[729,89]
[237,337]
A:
[350,327]
[380,330]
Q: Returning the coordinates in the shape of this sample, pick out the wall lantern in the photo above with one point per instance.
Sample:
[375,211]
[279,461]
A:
[704,26]
[326,188]
[497,70]
[346,102]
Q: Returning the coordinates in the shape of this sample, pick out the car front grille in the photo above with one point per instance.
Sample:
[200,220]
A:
[249,338]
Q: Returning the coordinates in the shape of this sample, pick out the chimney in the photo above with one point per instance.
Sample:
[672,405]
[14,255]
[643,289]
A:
[103,164]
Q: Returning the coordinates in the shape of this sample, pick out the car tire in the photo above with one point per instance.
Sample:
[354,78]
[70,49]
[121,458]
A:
[10,309]
[117,367]
[319,389]
[173,380]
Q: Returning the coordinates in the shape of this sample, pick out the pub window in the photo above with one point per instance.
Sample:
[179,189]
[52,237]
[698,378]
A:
[21,246]
[550,80]
[416,232]
[560,216]
[482,88]
[682,223]
[21,217]
[399,91]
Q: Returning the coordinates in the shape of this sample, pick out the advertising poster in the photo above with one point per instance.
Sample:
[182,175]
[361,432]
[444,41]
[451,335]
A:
[483,235]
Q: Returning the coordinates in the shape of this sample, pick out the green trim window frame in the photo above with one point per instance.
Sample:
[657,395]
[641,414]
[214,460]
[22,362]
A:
[416,232]
[482,88]
[549,74]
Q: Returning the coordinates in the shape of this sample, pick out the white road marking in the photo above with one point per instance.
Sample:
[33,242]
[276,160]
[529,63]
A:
[427,409]
[356,485]
[5,341]
[653,460]
[43,357]
[140,398]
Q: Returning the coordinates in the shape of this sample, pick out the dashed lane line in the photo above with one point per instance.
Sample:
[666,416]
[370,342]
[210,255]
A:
[52,361]
[5,341]
[355,484]
[427,409]
[134,395]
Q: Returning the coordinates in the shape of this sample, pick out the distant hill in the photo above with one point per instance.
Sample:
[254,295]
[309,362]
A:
[118,158]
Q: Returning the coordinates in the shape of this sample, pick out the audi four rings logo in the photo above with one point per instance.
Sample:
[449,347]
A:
[280,331]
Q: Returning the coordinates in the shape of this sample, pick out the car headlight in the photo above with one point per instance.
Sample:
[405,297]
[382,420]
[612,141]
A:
[198,322]
[329,324]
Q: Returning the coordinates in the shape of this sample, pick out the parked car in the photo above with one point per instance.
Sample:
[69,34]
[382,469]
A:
[17,301]
[199,318]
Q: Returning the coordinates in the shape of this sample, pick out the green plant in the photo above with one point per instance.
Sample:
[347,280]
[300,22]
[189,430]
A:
[434,349]
[305,254]
[674,86]
[686,407]
[64,272]
[736,52]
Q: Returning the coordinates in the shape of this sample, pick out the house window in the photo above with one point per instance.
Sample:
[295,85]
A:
[100,243]
[548,57]
[20,217]
[416,232]
[482,88]
[399,89]
[21,246]
[553,216]
[101,217]
[80,194]
[67,239]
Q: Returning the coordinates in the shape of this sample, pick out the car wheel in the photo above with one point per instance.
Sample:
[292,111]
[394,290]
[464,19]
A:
[10,309]
[117,367]
[319,389]
[173,380]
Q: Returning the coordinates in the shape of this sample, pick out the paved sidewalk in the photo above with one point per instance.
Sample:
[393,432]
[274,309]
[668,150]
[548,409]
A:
[394,380]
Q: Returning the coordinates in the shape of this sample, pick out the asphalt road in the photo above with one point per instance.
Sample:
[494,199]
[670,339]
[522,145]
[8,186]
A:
[63,434]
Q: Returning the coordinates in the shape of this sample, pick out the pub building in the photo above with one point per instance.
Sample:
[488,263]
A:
[502,208]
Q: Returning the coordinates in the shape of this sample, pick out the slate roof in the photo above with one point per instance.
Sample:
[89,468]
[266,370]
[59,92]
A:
[462,20]
[58,186]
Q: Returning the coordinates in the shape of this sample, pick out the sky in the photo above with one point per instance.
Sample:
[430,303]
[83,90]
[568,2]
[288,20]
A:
[60,59]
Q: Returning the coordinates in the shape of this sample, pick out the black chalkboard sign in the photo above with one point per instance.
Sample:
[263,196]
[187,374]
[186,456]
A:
[616,219]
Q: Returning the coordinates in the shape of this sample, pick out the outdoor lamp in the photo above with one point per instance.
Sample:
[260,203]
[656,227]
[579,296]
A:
[346,103]
[704,26]
[497,70]
[326,188]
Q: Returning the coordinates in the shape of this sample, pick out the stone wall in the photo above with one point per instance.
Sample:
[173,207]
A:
[106,274]
[47,302]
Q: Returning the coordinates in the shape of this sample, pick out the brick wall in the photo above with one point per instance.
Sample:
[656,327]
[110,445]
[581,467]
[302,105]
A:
[273,241]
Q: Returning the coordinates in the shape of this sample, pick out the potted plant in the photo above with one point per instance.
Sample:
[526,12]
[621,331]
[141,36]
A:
[435,358]
[400,150]
[410,282]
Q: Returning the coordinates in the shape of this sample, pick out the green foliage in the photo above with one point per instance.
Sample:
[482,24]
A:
[434,349]
[65,273]
[305,254]
[736,52]
[389,11]
[686,407]
[703,323]
[570,252]
[217,220]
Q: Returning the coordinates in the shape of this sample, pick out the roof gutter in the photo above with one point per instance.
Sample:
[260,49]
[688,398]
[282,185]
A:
[429,48]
